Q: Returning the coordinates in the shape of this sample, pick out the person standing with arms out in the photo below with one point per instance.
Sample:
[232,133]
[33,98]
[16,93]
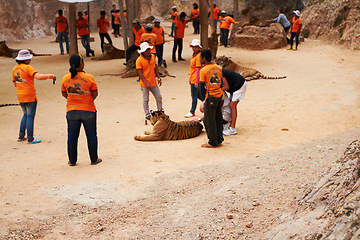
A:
[62,30]
[82,25]
[147,69]
[173,20]
[283,21]
[216,15]
[159,45]
[23,76]
[179,36]
[137,30]
[103,24]
[295,30]
[195,66]
[150,38]
[195,17]
[112,11]
[224,28]
[117,23]
[80,91]
[211,76]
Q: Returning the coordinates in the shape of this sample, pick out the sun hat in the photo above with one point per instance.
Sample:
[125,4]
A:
[24,55]
[195,42]
[223,11]
[136,20]
[174,7]
[143,47]
[297,13]
[157,20]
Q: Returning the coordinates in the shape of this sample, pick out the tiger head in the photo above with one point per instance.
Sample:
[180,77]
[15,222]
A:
[108,47]
[223,61]
[157,115]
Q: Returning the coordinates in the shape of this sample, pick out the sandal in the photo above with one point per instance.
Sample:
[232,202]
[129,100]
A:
[99,160]
[21,139]
[35,140]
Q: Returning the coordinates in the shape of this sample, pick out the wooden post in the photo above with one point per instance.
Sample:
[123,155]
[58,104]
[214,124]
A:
[212,21]
[73,31]
[236,10]
[204,24]
[123,23]
[130,11]
[88,8]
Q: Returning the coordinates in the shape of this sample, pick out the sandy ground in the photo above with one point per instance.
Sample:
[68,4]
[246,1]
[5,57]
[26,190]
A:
[289,132]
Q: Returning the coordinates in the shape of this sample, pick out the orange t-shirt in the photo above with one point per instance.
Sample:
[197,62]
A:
[296,24]
[194,64]
[138,35]
[159,35]
[211,75]
[25,91]
[86,17]
[174,14]
[103,25]
[151,39]
[195,13]
[227,21]
[148,68]
[216,12]
[117,18]
[125,15]
[180,28]
[76,101]
[84,30]
[61,22]
[221,18]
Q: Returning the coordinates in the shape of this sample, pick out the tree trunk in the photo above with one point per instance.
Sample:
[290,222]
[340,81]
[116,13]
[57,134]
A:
[204,24]
[73,33]
[123,25]
[88,8]
[236,10]
[130,11]
[212,21]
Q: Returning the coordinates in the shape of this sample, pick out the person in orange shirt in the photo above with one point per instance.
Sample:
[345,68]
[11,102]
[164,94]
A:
[61,29]
[159,45]
[173,20]
[138,30]
[195,66]
[112,11]
[86,14]
[179,36]
[150,38]
[224,28]
[126,22]
[295,30]
[23,76]
[80,91]
[117,23]
[216,15]
[195,16]
[211,77]
[147,69]
[82,25]
[103,24]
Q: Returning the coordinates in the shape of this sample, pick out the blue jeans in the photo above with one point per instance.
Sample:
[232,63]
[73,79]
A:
[195,95]
[159,53]
[292,36]
[85,41]
[172,29]
[64,35]
[196,25]
[225,34]
[88,119]
[27,121]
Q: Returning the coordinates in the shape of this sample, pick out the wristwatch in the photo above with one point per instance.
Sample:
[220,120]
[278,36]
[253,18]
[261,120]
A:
[199,119]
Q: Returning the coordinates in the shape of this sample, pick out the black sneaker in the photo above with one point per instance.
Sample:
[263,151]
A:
[164,63]
[174,60]
[181,59]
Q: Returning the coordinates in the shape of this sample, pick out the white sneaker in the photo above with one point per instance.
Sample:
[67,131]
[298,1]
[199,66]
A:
[230,131]
[226,126]
[189,115]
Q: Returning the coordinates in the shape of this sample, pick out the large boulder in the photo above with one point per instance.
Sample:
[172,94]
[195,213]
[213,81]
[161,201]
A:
[259,38]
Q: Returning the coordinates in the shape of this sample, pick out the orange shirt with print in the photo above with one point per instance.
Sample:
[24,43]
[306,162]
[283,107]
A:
[83,30]
[61,22]
[221,18]
[76,101]
[151,39]
[159,35]
[195,13]
[148,68]
[194,64]
[174,14]
[211,75]
[216,12]
[180,28]
[25,91]
[103,24]
[227,21]
[296,24]
[117,18]
[138,35]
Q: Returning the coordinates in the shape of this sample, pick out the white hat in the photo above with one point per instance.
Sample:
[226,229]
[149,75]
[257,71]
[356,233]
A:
[157,20]
[174,7]
[24,55]
[143,47]
[195,42]
[297,12]
[85,10]
[149,25]
[223,11]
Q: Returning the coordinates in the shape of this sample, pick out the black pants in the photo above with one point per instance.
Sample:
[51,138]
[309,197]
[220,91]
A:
[178,42]
[130,50]
[102,37]
[213,120]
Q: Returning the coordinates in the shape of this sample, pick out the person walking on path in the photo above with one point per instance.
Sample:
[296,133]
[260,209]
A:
[62,31]
[82,26]
[23,76]
[137,30]
[224,28]
[295,30]
[103,24]
[179,36]
[159,45]
[80,91]
[195,17]
[148,71]
[173,20]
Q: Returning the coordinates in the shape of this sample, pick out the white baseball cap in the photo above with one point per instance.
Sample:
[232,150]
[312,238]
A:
[195,42]
[174,7]
[297,12]
[157,20]
[223,11]
[24,55]
[143,47]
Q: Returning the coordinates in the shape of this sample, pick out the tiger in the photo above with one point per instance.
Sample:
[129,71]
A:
[110,52]
[248,73]
[134,73]
[165,129]
[12,53]
[213,44]
[9,104]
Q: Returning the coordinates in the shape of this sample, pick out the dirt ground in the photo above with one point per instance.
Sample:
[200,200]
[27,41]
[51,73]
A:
[289,132]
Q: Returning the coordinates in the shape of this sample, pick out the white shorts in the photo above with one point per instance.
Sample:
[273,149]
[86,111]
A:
[239,94]
[225,109]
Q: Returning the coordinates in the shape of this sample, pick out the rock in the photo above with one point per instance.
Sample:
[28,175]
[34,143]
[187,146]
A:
[229,216]
[249,225]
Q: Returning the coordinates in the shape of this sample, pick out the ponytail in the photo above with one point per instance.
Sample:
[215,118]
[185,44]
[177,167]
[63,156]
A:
[73,71]
[75,61]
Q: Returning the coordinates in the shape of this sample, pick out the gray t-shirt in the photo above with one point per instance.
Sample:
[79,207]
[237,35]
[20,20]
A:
[283,20]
